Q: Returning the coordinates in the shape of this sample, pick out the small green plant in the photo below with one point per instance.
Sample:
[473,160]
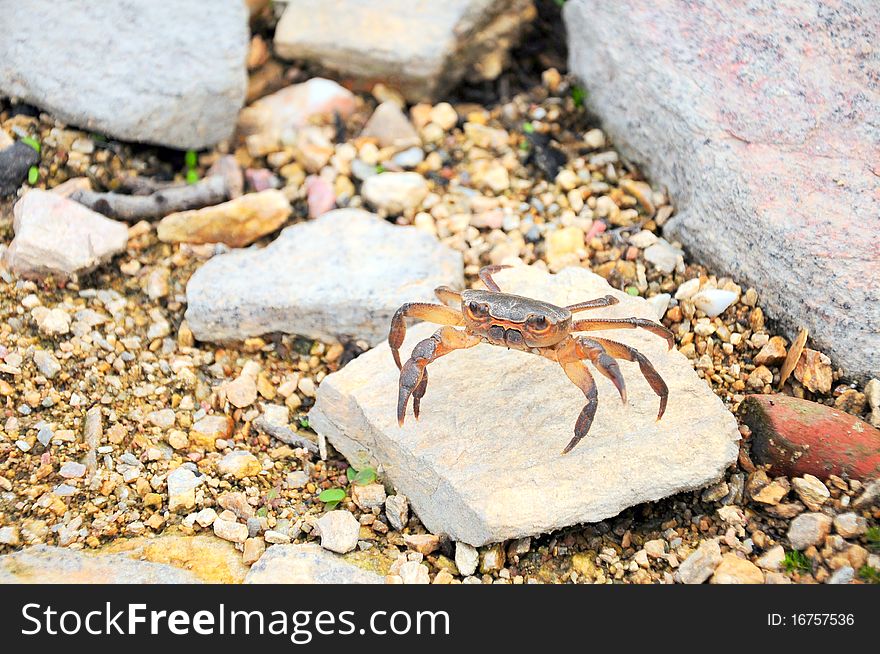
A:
[31,141]
[304,422]
[191,160]
[870,574]
[380,169]
[795,561]
[331,497]
[33,175]
[579,95]
[873,538]
[632,290]
[559,3]
[528,128]
[361,476]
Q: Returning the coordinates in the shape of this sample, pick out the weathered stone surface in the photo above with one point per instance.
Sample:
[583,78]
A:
[484,465]
[339,531]
[307,564]
[799,437]
[54,235]
[43,564]
[421,48]
[808,529]
[237,223]
[763,124]
[175,78]
[342,275]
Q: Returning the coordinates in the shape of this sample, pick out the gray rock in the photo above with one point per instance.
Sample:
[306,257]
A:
[484,463]
[54,235]
[422,48]
[15,161]
[307,564]
[342,275]
[390,127]
[339,531]
[44,564]
[174,78]
[701,564]
[808,529]
[732,109]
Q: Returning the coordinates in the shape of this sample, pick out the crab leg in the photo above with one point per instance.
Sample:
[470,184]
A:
[598,303]
[486,275]
[447,295]
[422,310]
[581,347]
[413,376]
[623,323]
[627,353]
[579,375]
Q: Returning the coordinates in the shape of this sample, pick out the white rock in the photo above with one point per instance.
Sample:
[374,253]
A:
[51,321]
[414,572]
[9,536]
[182,483]
[305,281]
[307,564]
[490,469]
[772,559]
[46,363]
[72,470]
[176,78]
[808,529]
[206,517]
[54,235]
[713,301]
[664,256]
[659,303]
[842,575]
[686,290]
[643,239]
[701,563]
[395,192]
[466,558]
[234,532]
[423,47]
[339,531]
[164,418]
[850,525]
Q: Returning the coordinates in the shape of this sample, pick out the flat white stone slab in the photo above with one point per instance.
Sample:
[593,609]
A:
[484,463]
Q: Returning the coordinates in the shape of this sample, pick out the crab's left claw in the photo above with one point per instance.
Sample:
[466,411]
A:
[410,380]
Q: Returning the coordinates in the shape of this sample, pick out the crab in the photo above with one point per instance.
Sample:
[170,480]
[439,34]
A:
[521,323]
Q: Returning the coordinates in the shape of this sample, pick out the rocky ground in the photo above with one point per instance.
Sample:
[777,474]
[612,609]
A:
[119,424]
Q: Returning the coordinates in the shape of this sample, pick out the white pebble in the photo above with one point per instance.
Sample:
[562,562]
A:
[713,301]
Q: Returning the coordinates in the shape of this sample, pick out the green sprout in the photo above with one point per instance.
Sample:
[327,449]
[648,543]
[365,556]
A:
[33,175]
[31,141]
[579,95]
[559,3]
[632,290]
[796,561]
[528,128]
[873,538]
[304,422]
[331,497]
[380,168]
[191,160]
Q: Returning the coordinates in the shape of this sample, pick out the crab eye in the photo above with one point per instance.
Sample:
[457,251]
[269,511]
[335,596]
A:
[538,322]
[478,309]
